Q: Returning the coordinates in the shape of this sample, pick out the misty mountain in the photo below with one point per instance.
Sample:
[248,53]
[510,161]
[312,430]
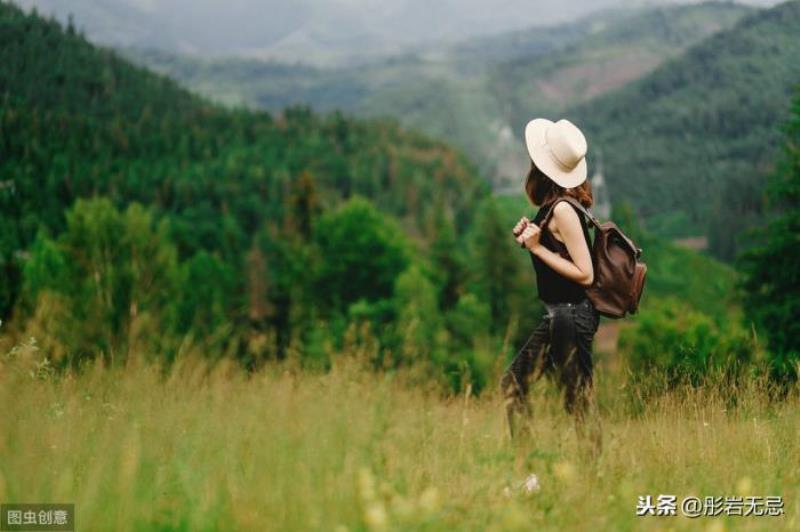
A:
[309,31]
[690,145]
[475,93]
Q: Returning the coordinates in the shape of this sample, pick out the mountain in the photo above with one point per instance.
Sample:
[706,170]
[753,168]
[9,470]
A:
[613,54]
[475,93]
[78,121]
[689,145]
[274,85]
[322,32]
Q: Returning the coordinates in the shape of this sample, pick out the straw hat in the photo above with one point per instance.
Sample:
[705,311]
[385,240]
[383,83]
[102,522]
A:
[557,149]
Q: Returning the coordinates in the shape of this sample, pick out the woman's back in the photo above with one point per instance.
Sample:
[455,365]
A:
[553,287]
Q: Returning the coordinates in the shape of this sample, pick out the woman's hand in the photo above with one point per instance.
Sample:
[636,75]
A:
[530,236]
[521,225]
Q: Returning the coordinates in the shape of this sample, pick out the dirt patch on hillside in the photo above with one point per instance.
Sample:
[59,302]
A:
[594,77]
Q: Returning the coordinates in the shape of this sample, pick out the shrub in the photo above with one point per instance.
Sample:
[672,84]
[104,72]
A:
[672,339]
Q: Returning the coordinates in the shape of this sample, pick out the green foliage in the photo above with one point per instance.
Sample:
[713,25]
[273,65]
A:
[469,319]
[468,324]
[46,268]
[109,271]
[695,278]
[77,121]
[205,292]
[493,262]
[671,338]
[448,259]
[245,235]
[772,275]
[362,253]
[418,320]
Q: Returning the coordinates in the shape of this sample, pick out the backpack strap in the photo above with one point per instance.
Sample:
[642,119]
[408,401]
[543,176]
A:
[575,203]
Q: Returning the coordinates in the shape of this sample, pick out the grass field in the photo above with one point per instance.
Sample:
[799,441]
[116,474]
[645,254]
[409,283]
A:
[195,448]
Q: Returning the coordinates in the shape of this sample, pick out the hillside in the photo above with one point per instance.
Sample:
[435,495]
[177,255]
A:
[273,85]
[140,220]
[690,144]
[615,53]
[77,121]
[476,93]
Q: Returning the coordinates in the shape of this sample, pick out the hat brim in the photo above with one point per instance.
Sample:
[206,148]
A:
[536,142]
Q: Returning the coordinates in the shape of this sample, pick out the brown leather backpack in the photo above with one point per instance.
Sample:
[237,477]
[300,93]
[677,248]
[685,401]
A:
[619,275]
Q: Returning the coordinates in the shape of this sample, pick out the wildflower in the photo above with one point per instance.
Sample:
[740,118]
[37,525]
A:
[531,484]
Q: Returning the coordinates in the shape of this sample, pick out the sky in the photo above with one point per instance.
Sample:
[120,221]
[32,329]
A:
[314,31]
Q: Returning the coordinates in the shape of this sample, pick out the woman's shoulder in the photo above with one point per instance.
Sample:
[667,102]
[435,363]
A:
[565,213]
[559,206]
[563,208]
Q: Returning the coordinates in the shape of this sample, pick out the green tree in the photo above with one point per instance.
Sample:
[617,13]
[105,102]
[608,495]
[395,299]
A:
[281,267]
[468,320]
[109,270]
[772,275]
[362,251]
[205,292]
[447,256]
[418,319]
[471,353]
[494,266]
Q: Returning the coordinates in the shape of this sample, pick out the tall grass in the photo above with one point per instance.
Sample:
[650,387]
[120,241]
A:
[202,448]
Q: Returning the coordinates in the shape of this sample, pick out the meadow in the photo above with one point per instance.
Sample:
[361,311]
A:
[202,447]
[247,320]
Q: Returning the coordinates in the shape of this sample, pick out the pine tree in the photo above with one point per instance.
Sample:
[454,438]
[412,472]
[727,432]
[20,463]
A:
[493,264]
[772,275]
[446,255]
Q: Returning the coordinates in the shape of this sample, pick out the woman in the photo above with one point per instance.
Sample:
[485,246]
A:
[561,344]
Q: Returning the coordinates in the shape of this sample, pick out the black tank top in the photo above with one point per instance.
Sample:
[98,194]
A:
[552,286]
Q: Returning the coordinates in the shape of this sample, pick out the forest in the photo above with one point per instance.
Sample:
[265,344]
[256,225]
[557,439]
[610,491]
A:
[697,89]
[138,217]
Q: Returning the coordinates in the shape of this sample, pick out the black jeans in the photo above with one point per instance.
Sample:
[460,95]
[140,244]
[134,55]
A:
[561,346]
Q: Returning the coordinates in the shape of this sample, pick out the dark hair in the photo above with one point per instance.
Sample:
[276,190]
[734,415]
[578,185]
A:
[542,190]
